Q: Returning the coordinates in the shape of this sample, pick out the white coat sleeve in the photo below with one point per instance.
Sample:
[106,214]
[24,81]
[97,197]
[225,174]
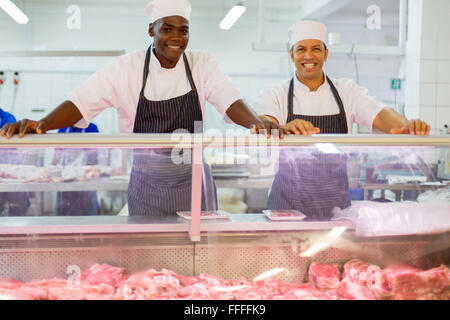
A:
[269,103]
[97,93]
[219,89]
[364,107]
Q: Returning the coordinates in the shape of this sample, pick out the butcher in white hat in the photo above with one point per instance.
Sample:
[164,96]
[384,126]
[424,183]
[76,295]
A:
[158,90]
[312,103]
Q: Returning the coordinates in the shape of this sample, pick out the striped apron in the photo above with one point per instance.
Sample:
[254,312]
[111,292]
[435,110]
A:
[313,183]
[158,187]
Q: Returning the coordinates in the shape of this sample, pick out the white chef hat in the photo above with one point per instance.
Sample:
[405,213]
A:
[158,9]
[305,30]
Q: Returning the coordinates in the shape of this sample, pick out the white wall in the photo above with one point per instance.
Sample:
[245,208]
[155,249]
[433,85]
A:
[121,25]
[428,62]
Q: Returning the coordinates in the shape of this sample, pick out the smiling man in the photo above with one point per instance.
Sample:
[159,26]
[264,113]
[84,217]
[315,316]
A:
[160,90]
[312,103]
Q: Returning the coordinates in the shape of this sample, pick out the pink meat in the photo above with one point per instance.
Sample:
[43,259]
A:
[407,283]
[353,270]
[324,276]
[103,274]
[9,283]
[308,292]
[364,274]
[361,281]
[151,284]
[353,291]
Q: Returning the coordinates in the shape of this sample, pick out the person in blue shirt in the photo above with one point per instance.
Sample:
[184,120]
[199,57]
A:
[6,117]
[11,203]
[76,203]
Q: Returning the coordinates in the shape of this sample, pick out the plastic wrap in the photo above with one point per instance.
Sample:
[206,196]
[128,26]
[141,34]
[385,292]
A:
[435,196]
[397,218]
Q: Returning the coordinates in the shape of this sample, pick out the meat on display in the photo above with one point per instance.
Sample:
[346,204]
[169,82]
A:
[53,174]
[360,281]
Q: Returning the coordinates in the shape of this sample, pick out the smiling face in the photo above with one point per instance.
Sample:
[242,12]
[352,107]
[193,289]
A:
[171,37]
[309,57]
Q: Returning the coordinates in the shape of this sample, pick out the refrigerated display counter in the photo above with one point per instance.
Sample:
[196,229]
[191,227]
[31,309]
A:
[386,248]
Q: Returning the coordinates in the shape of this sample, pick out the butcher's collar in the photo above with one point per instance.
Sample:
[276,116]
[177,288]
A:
[302,87]
[155,61]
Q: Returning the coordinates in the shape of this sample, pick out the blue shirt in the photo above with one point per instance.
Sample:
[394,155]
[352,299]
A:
[92,128]
[6,117]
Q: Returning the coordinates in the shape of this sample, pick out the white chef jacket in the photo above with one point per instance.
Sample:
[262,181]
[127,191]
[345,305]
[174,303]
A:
[118,85]
[359,107]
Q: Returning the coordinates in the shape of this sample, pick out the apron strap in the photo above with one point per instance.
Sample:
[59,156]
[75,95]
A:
[291,98]
[188,72]
[146,69]
[337,98]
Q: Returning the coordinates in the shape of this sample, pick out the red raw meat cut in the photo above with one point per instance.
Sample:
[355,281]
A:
[353,291]
[361,281]
[9,283]
[197,291]
[103,274]
[308,292]
[324,276]
[366,275]
[412,284]
[353,270]
[151,284]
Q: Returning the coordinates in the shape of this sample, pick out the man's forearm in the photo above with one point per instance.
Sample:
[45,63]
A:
[389,119]
[65,115]
[242,115]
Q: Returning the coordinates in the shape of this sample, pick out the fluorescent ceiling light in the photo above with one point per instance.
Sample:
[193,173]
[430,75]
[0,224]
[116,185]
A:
[14,11]
[232,16]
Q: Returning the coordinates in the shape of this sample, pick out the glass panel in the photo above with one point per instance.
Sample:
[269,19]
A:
[98,181]
[318,180]
[377,221]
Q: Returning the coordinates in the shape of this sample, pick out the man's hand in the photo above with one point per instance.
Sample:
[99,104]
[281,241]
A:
[415,127]
[23,127]
[66,114]
[270,126]
[243,115]
[300,127]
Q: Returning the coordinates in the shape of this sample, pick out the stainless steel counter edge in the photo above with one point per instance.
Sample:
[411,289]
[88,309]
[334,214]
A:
[85,225]
[188,140]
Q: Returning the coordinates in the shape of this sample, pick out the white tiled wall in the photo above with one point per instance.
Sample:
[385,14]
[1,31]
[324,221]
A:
[428,62]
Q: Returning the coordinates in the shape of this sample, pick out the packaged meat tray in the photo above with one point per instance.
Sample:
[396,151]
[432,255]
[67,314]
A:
[278,215]
[206,215]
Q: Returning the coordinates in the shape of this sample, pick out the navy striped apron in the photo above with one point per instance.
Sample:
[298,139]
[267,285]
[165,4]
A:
[158,187]
[313,183]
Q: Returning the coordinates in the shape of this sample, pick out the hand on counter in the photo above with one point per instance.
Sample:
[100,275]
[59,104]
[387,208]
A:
[65,115]
[415,127]
[23,127]
[270,126]
[301,127]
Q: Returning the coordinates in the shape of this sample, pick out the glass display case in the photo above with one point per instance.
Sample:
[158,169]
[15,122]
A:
[87,216]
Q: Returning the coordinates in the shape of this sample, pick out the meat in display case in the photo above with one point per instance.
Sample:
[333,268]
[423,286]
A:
[364,218]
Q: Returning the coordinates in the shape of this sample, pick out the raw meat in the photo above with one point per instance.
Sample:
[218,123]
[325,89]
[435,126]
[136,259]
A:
[412,284]
[324,276]
[308,292]
[53,174]
[351,290]
[362,279]
[105,282]
[103,274]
